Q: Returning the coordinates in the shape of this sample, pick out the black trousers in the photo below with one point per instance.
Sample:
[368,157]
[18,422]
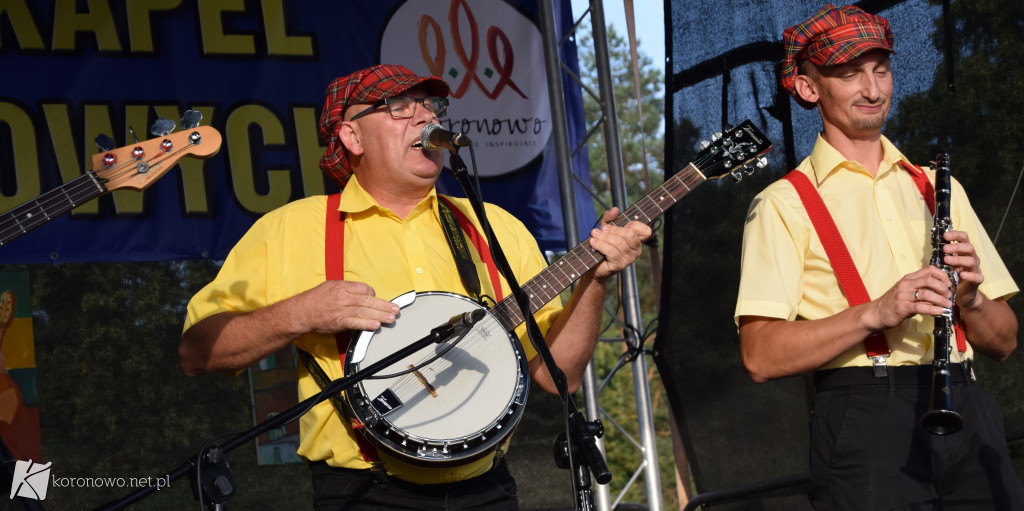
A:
[868,451]
[339,489]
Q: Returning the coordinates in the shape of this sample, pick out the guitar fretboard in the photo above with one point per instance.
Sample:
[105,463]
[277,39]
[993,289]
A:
[570,267]
[133,166]
[48,206]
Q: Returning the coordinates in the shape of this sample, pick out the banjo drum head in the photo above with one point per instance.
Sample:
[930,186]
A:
[450,410]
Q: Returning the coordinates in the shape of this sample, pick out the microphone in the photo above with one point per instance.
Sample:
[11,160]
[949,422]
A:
[458,325]
[467,319]
[435,137]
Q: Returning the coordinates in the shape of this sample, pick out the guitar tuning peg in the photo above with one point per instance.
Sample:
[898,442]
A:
[727,127]
[132,131]
[762,162]
[715,136]
[105,143]
[162,127]
[703,144]
[736,175]
[191,119]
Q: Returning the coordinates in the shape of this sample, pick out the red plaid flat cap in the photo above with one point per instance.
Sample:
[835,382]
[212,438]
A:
[363,87]
[835,35]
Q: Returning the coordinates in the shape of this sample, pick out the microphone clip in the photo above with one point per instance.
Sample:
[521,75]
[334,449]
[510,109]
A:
[457,326]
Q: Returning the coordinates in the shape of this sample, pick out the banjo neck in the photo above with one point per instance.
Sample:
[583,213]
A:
[738,148]
[425,415]
[562,273]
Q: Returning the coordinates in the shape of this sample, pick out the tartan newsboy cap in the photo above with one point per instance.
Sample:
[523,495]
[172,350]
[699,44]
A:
[834,35]
[363,87]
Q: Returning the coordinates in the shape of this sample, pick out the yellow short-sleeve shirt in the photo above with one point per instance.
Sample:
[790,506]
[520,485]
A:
[283,255]
[887,228]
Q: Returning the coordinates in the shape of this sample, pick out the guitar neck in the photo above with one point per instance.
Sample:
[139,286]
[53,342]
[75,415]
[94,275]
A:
[570,267]
[52,204]
[133,167]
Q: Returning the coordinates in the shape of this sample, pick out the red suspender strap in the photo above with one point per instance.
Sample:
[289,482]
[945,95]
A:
[838,254]
[334,258]
[335,239]
[477,238]
[334,262]
[923,184]
[960,330]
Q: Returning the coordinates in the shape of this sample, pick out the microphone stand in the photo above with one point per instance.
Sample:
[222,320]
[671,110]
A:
[576,448]
[217,486]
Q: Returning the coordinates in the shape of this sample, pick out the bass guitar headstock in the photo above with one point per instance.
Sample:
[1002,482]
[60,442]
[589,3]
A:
[138,165]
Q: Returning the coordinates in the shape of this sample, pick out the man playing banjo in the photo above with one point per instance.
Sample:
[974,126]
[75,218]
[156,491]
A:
[318,269]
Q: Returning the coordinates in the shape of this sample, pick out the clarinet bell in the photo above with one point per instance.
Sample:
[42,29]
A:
[942,422]
[941,419]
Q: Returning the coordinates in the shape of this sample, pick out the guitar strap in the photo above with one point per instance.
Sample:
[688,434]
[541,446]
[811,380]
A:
[334,263]
[460,251]
[875,346]
[478,240]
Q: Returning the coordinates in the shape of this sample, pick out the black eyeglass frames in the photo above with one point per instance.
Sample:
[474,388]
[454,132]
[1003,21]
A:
[404,107]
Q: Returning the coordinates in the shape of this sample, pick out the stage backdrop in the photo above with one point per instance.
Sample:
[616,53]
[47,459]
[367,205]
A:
[257,71]
[725,58]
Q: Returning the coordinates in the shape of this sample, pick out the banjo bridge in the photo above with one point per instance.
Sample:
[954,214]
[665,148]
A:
[423,380]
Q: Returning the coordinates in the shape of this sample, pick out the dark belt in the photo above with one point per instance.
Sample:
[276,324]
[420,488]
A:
[899,376]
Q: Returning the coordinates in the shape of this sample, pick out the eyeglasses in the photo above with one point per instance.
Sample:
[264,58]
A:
[404,107]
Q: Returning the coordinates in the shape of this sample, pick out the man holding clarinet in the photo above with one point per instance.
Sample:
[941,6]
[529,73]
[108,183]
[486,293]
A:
[836,281]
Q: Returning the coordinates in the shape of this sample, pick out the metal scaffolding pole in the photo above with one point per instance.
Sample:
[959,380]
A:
[629,299]
[560,129]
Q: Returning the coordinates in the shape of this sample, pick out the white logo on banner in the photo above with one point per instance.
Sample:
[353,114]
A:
[492,57]
[31,480]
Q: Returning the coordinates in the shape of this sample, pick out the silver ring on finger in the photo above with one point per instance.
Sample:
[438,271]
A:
[915,295]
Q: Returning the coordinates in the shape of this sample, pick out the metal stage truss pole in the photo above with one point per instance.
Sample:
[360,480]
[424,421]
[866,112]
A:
[648,463]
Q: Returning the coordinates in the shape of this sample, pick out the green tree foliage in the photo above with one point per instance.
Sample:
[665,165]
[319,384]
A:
[634,136]
[639,142]
[113,402]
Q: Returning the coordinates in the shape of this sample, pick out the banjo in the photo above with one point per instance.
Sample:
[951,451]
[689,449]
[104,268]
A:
[455,402]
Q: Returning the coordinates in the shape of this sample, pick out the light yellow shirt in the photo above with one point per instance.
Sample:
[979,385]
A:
[887,228]
[283,255]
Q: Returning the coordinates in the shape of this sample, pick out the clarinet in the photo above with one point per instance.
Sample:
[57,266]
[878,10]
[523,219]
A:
[941,419]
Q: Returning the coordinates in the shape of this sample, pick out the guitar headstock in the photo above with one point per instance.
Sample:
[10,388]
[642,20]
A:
[138,165]
[735,153]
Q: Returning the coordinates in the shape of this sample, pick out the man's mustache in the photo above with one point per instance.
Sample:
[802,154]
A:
[880,101]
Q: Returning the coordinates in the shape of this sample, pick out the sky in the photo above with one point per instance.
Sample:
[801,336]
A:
[650,31]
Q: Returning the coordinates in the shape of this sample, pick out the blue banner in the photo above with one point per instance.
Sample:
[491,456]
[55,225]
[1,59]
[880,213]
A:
[257,71]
